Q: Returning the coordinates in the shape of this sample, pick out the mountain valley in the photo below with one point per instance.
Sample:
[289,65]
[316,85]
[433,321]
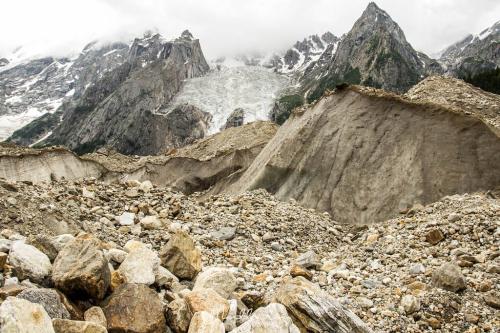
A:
[346,184]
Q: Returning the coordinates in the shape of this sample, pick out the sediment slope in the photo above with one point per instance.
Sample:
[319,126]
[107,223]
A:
[364,155]
[193,168]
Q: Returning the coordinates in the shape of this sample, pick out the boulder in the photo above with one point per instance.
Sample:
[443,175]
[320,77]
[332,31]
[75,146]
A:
[203,322]
[116,255]
[272,318]
[151,222]
[60,241]
[178,315]
[224,233]
[140,266]
[134,308]
[48,298]
[410,304]
[126,218]
[11,290]
[21,316]
[44,244]
[207,300]
[74,326]
[217,278]
[28,262]
[449,277]
[95,315]
[315,310]
[81,270]
[308,259]
[232,316]
[180,256]
[164,278]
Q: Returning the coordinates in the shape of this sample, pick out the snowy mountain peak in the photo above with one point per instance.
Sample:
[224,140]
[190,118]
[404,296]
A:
[305,52]
[186,34]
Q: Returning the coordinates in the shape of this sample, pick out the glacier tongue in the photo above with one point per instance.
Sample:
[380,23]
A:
[252,88]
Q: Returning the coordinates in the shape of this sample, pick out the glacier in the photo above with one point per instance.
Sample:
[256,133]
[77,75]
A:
[229,86]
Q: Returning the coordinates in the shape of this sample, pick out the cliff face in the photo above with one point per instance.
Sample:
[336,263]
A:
[375,53]
[364,156]
[474,54]
[123,109]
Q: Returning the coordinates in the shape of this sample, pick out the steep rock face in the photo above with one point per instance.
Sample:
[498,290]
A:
[122,110]
[473,54]
[42,87]
[305,53]
[235,119]
[365,155]
[374,53]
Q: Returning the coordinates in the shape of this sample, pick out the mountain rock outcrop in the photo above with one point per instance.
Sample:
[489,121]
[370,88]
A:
[373,53]
[39,87]
[473,54]
[123,109]
[304,54]
[364,155]
[235,119]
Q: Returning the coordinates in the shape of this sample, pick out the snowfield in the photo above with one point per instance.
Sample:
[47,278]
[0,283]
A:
[253,88]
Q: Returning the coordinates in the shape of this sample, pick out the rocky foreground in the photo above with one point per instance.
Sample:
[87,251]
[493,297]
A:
[86,256]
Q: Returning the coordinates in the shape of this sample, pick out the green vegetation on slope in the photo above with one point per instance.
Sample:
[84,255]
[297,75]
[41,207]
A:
[488,80]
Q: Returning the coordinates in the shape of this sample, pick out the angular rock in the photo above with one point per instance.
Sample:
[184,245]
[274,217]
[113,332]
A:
[315,310]
[410,304]
[81,268]
[217,278]
[151,222]
[449,277]
[272,318]
[3,260]
[61,240]
[178,315]
[21,316]
[116,255]
[28,262]
[207,300]
[134,308]
[232,316]
[181,257]
[224,233]
[434,236]
[308,259]
[203,322]
[11,290]
[297,270]
[140,266]
[45,245]
[492,298]
[164,278]
[126,218]
[74,326]
[95,315]
[48,298]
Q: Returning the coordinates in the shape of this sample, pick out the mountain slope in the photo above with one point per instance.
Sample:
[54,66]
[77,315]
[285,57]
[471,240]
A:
[39,87]
[374,53]
[365,155]
[474,54]
[120,109]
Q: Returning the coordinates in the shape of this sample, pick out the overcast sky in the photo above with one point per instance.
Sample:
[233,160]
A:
[227,27]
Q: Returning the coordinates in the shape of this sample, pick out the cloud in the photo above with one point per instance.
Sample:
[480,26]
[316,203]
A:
[59,27]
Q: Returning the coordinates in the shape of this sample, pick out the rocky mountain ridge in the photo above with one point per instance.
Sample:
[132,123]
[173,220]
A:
[474,54]
[121,108]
